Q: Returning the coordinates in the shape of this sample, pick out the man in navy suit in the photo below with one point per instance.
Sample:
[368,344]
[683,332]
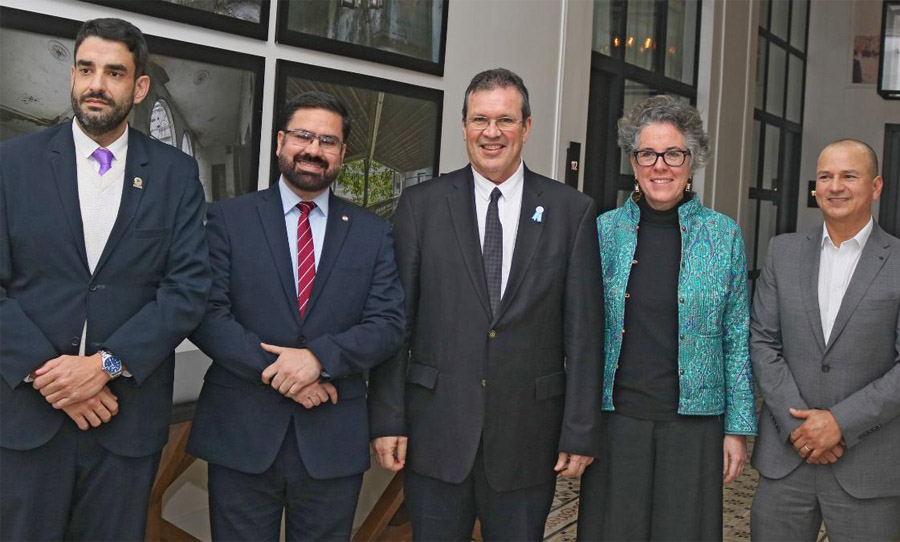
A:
[306,297]
[103,272]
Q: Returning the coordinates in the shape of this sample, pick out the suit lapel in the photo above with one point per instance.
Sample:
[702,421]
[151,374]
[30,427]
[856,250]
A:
[461,201]
[61,157]
[809,281]
[527,237]
[271,215]
[872,259]
[136,165]
[335,233]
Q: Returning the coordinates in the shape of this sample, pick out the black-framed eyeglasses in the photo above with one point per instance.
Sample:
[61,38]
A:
[672,157]
[305,138]
[503,123]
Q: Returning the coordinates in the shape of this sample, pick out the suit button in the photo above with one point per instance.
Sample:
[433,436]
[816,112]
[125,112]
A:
[302,339]
[76,341]
[826,368]
[92,287]
[633,262]
[681,300]
[492,333]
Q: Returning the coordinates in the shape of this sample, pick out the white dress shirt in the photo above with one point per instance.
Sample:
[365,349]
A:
[836,267]
[318,219]
[509,207]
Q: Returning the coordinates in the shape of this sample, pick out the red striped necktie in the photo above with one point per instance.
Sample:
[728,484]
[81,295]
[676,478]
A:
[306,256]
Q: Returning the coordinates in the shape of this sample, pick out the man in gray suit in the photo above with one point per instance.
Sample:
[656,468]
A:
[825,346]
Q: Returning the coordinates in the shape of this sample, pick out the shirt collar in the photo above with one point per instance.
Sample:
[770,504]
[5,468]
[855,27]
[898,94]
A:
[861,238]
[85,146]
[508,188]
[289,199]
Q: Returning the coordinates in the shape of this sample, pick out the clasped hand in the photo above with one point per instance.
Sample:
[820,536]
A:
[66,380]
[295,374]
[818,440]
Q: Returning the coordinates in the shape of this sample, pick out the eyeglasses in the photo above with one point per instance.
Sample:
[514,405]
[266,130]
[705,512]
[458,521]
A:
[305,138]
[672,158]
[503,123]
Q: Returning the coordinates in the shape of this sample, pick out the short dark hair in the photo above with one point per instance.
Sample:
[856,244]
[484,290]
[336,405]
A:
[121,31]
[315,99]
[497,78]
[873,157]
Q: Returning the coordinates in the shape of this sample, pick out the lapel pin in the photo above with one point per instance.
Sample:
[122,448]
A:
[345,218]
[138,183]
[538,215]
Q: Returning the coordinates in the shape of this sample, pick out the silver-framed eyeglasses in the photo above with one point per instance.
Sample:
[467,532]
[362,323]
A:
[305,138]
[503,123]
[672,157]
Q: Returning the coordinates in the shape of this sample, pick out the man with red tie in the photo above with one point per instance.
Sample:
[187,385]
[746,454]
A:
[305,298]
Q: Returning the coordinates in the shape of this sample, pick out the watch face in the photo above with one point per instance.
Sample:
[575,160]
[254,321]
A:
[111,364]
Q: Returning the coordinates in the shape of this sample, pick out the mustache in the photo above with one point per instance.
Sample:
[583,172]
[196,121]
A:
[310,158]
[96,96]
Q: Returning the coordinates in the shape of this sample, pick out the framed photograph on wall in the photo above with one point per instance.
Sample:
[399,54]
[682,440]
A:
[410,34]
[203,100]
[394,137]
[245,17]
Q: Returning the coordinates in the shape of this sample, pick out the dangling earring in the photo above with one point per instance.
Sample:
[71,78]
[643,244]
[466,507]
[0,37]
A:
[637,187]
[636,196]
[688,187]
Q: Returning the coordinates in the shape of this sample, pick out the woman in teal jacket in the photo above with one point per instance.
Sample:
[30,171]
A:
[678,390]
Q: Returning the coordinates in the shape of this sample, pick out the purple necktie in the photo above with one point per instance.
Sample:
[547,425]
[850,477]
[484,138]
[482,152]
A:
[104,157]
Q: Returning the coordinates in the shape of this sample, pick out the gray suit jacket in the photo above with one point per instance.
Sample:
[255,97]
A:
[855,375]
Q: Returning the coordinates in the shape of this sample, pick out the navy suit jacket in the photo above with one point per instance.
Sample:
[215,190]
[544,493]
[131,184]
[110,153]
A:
[146,294]
[354,321]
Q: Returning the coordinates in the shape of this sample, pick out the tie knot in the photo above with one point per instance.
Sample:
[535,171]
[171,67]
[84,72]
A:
[306,207]
[495,194]
[104,157]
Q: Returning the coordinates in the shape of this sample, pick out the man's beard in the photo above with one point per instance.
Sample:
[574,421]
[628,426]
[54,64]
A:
[308,182]
[97,124]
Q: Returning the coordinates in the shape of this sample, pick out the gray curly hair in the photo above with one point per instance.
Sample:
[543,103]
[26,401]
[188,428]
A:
[665,109]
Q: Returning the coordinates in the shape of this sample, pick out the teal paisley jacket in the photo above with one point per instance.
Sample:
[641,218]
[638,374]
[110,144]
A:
[713,311]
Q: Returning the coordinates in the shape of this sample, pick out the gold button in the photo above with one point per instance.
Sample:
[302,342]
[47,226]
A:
[681,300]
[682,336]
[627,295]
[633,262]
[492,333]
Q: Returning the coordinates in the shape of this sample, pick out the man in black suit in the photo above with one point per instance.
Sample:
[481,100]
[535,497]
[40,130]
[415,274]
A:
[305,298]
[497,388]
[104,271]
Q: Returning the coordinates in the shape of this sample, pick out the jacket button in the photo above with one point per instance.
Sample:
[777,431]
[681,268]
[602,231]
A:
[681,371]
[76,341]
[826,368]
[302,339]
[492,333]
[92,287]
[681,300]
[623,331]
[633,262]
[627,295]
[683,228]
[681,336]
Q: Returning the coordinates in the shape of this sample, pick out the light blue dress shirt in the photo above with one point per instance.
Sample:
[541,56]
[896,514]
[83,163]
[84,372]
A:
[318,219]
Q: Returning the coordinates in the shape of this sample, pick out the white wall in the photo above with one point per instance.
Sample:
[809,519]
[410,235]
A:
[836,109]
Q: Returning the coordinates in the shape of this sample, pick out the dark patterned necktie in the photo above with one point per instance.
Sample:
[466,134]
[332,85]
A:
[492,251]
[306,256]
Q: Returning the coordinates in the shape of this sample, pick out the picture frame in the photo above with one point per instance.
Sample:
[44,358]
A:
[410,34]
[394,138]
[889,66]
[865,43]
[243,17]
[203,100]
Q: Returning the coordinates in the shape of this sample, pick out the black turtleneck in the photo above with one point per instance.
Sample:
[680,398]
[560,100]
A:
[646,384]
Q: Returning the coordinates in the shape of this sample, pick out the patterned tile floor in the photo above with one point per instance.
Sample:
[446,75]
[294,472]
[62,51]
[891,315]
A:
[737,496]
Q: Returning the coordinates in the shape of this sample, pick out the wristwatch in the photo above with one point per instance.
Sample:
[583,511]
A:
[110,364]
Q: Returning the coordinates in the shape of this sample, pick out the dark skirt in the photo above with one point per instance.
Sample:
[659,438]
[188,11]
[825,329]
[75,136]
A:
[654,480]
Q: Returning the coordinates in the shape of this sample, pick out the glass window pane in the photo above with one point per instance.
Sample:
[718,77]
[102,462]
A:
[761,72]
[765,229]
[775,81]
[750,234]
[641,39]
[780,11]
[754,180]
[798,24]
[795,89]
[681,37]
[634,93]
[764,14]
[770,160]
[603,26]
